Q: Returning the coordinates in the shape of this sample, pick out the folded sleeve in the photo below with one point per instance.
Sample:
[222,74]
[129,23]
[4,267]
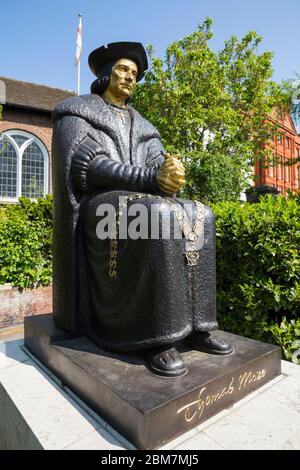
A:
[155,153]
[93,168]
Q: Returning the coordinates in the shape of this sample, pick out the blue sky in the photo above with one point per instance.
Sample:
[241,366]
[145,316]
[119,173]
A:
[38,38]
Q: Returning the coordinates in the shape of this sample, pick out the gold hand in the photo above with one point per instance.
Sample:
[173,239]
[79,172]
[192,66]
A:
[171,175]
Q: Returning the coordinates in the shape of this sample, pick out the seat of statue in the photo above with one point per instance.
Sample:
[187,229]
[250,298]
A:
[147,409]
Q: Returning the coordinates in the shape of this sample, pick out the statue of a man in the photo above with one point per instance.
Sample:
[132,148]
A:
[141,294]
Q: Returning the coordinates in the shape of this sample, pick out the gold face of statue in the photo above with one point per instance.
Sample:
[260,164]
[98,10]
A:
[123,78]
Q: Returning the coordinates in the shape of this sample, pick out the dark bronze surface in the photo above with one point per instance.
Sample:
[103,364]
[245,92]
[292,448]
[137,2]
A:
[156,288]
[147,409]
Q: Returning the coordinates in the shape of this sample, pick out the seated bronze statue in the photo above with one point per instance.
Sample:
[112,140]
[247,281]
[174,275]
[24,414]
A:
[141,295]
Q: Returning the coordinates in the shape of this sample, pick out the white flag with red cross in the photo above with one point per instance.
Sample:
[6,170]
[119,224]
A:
[79,41]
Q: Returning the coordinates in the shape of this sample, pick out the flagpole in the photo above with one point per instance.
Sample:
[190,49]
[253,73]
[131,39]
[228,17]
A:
[78,78]
[78,51]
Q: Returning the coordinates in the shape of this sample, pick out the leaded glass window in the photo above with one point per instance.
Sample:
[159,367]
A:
[23,165]
[8,169]
[271,167]
[279,167]
[33,172]
[19,139]
[287,173]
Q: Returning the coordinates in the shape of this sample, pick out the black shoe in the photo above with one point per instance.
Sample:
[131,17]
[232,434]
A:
[165,361]
[203,341]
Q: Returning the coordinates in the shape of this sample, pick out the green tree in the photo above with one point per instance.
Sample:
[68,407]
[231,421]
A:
[212,108]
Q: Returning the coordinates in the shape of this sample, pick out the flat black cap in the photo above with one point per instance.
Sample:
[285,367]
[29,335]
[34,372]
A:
[119,50]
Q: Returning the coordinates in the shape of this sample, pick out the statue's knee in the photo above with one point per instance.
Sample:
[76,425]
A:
[210,229]
[209,216]
[160,208]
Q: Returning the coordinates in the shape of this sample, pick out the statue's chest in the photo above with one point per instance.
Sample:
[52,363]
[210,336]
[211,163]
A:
[122,147]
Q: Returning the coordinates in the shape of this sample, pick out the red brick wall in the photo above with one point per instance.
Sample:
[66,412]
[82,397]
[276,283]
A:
[15,304]
[289,177]
[36,123]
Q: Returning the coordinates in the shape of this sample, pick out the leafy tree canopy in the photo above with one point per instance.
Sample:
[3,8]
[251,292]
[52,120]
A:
[212,108]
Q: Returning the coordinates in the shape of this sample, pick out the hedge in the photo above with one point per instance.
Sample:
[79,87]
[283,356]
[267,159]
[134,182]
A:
[258,270]
[25,243]
[258,263]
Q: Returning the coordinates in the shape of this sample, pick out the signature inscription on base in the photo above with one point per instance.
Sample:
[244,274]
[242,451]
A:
[195,409]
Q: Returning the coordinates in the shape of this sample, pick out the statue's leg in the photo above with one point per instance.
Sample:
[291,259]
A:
[202,288]
[144,304]
[165,359]
[202,278]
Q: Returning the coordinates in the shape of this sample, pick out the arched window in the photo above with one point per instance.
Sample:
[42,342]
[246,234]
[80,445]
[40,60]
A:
[23,165]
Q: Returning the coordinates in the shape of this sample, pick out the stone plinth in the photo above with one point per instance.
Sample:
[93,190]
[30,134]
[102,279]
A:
[147,409]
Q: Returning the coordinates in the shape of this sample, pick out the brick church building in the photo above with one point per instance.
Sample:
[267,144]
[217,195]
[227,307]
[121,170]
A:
[25,138]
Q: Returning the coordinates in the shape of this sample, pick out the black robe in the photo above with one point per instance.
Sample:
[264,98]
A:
[156,297]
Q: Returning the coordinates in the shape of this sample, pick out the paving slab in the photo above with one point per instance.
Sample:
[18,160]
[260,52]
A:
[261,423]
[11,353]
[40,408]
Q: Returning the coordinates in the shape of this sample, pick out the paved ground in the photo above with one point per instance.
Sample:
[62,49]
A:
[10,334]
[267,419]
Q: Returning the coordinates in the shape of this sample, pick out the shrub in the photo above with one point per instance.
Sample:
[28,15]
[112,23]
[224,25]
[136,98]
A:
[40,210]
[258,268]
[26,243]
[287,336]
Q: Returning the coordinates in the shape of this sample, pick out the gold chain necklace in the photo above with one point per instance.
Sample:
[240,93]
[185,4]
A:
[190,233]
